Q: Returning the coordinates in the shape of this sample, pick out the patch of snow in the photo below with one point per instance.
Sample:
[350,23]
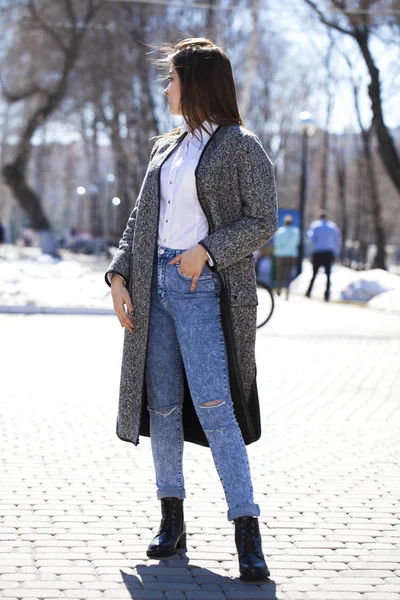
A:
[44,281]
[29,278]
[347,284]
[388,301]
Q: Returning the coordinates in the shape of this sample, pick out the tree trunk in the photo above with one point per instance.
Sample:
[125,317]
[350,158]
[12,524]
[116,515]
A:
[251,63]
[387,148]
[341,183]
[376,209]
[30,203]
[325,145]
[359,29]
[14,173]
[94,190]
[380,257]
[126,188]
[211,26]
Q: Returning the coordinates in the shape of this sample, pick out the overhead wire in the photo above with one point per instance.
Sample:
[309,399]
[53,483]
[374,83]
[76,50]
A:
[289,7]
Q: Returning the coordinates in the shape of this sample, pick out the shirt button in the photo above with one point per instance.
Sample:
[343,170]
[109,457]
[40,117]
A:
[165,240]
[169,201]
[170,181]
[166,220]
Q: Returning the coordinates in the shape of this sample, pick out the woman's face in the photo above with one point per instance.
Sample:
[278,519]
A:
[173,91]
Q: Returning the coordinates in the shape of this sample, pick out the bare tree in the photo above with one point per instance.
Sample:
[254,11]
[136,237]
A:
[376,209]
[359,23]
[211,22]
[251,60]
[325,143]
[44,101]
[341,180]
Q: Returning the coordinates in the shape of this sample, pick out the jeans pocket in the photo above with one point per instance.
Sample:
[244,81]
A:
[185,277]
[206,273]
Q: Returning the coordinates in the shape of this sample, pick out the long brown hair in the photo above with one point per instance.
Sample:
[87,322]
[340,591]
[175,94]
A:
[208,91]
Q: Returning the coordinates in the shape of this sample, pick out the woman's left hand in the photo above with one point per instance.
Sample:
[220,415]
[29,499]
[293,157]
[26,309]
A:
[191,263]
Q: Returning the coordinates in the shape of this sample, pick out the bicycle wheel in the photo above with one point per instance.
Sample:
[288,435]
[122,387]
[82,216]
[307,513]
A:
[266,304]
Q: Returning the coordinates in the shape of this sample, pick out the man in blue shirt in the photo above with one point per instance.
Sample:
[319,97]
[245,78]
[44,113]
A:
[286,248]
[325,239]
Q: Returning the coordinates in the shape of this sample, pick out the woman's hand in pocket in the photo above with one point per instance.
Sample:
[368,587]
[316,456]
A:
[191,263]
[122,302]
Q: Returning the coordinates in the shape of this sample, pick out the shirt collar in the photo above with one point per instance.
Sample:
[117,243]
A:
[210,127]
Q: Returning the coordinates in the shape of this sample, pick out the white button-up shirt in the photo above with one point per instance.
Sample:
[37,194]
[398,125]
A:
[182,221]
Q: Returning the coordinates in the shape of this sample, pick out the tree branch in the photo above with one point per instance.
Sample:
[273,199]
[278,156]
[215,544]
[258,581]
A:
[70,12]
[93,8]
[17,96]
[58,40]
[356,95]
[325,21]
[52,99]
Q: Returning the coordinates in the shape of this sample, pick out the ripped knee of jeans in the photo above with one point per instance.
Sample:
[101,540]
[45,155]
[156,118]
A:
[212,403]
[163,411]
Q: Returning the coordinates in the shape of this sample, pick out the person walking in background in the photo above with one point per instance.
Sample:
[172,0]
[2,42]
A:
[325,239]
[183,270]
[286,248]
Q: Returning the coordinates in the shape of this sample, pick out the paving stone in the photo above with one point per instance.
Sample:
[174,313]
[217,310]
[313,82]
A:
[26,593]
[353,579]
[182,587]
[336,595]
[82,594]
[381,595]
[328,586]
[367,566]
[100,585]
[55,583]
[5,585]
[324,471]
[299,586]
[324,574]
[249,594]
[174,595]
[331,564]
[138,595]
[205,595]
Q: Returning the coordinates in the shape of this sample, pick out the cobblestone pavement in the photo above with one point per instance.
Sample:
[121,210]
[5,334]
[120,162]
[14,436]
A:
[78,505]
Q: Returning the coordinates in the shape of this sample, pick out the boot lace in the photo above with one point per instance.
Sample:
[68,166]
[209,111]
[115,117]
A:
[168,519]
[249,538]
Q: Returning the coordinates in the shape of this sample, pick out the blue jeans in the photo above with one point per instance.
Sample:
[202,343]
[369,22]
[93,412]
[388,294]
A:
[185,329]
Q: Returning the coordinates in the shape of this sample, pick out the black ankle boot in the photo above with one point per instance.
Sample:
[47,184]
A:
[252,565]
[171,535]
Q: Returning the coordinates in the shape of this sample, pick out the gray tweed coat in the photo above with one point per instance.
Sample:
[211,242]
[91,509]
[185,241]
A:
[236,190]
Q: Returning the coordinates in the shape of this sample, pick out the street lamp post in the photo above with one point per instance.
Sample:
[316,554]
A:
[110,179]
[115,202]
[307,129]
[80,190]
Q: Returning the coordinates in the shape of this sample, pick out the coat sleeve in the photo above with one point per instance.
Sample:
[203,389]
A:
[257,188]
[120,264]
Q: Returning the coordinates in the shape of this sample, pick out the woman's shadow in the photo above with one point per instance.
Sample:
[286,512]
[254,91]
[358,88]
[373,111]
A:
[179,574]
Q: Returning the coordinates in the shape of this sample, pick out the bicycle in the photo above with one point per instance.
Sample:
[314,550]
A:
[266,303]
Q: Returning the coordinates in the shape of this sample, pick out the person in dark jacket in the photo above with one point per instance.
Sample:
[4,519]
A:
[183,287]
[325,240]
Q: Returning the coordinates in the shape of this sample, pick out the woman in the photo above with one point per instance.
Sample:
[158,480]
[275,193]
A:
[183,286]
